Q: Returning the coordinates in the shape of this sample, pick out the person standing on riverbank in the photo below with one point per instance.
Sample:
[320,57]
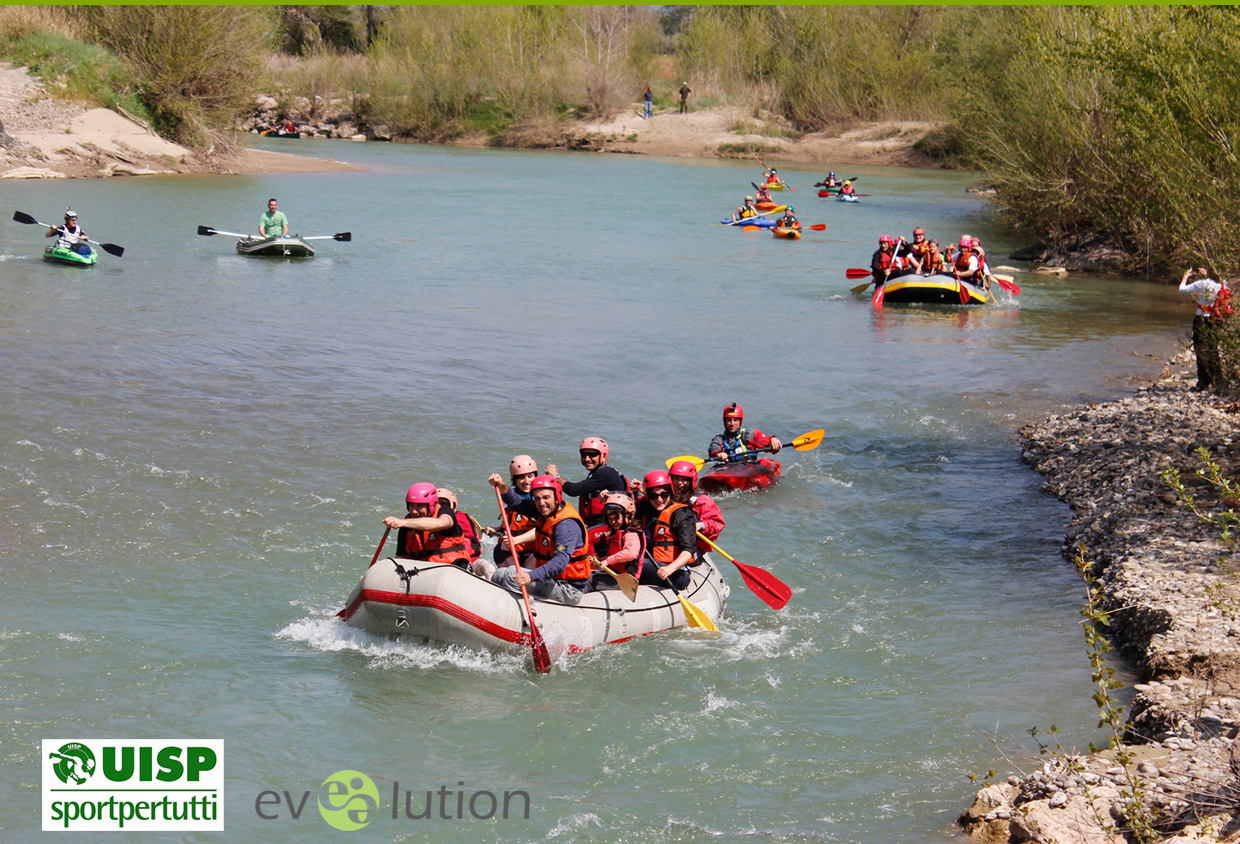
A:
[648,97]
[1213,303]
[273,223]
[685,91]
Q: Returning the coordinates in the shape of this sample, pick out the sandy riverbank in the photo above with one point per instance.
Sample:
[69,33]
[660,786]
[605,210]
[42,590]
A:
[1169,587]
[45,138]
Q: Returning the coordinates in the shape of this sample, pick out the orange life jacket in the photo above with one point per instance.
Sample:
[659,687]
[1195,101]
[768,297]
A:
[578,567]
[435,547]
[1221,306]
[663,547]
[519,524]
[961,261]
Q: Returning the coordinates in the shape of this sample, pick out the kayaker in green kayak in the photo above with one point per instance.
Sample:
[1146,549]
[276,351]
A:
[70,234]
[273,223]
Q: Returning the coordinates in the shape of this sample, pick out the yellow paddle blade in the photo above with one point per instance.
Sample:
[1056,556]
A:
[697,462]
[808,442]
[626,582]
[857,290]
[694,616]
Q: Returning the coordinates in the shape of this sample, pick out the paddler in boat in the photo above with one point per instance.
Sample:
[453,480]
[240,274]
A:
[273,223]
[469,526]
[735,444]
[830,182]
[745,211]
[561,549]
[982,266]
[710,521]
[670,534]
[70,235]
[966,265]
[521,471]
[847,189]
[599,477]
[623,544]
[885,264]
[936,261]
[430,530]
[772,176]
[789,220]
[764,194]
[913,255]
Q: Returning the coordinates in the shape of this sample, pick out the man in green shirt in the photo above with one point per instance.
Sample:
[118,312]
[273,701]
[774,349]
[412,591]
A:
[273,223]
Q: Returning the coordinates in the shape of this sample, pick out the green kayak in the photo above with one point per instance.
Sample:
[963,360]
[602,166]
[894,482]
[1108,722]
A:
[71,257]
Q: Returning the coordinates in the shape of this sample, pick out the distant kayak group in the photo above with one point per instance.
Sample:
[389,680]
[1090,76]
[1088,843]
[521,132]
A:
[755,213]
[73,247]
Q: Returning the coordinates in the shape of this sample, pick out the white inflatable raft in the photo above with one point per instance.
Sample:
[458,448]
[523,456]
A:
[448,604]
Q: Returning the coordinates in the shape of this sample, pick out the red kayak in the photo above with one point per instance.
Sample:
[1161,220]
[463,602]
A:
[730,477]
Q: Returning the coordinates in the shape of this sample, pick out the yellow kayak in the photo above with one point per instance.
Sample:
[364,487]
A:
[775,185]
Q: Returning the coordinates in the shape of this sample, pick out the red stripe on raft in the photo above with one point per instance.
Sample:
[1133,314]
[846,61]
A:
[436,603]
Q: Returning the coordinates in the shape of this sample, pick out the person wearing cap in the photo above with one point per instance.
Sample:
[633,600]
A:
[70,235]
[671,537]
[847,189]
[599,477]
[710,522]
[745,211]
[273,223]
[561,546]
[685,91]
[1213,300]
[429,531]
[737,445]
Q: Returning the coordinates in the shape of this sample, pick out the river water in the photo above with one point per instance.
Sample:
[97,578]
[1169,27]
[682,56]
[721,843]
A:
[197,450]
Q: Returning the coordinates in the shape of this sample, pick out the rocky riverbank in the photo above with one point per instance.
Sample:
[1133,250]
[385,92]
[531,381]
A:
[1174,603]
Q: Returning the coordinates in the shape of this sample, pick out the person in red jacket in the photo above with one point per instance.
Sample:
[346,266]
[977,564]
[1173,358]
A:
[710,521]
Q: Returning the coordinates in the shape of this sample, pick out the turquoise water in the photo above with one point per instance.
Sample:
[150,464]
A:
[198,449]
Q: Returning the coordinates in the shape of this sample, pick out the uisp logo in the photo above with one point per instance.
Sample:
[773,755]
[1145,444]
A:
[114,785]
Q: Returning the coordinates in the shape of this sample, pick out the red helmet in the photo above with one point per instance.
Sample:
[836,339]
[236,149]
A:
[656,478]
[595,444]
[885,239]
[921,232]
[448,496]
[734,411]
[976,243]
[548,482]
[966,242]
[522,464]
[684,469]
[422,493]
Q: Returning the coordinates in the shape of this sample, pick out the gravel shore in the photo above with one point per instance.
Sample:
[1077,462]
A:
[1174,603]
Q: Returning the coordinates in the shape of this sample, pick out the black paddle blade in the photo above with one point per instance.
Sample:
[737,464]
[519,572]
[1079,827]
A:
[206,231]
[19,217]
[112,249]
[344,237]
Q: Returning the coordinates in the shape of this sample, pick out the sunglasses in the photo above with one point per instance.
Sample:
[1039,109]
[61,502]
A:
[659,493]
[591,454]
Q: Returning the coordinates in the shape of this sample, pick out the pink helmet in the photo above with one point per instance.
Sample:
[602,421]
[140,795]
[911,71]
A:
[522,464]
[620,501]
[547,482]
[447,495]
[885,239]
[656,478]
[684,469]
[734,411]
[966,242]
[976,243]
[919,231]
[596,444]
[422,493]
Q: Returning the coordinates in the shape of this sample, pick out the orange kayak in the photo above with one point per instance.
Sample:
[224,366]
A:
[787,234]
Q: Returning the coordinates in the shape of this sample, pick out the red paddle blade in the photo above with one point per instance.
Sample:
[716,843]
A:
[819,227]
[542,658]
[877,301]
[773,591]
[964,293]
[1009,286]
[856,272]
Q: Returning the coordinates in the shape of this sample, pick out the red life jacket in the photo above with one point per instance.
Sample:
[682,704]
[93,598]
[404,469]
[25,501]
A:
[435,547]
[590,506]
[614,544]
[961,262]
[470,533]
[1222,306]
[887,261]
[578,567]
[663,547]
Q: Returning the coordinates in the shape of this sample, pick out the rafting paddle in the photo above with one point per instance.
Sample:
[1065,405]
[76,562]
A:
[110,248]
[207,231]
[626,581]
[375,558]
[343,237]
[806,442]
[762,583]
[542,659]
[694,617]
[1007,283]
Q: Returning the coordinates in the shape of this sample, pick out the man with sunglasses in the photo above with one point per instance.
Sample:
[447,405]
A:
[670,534]
[599,477]
[561,548]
